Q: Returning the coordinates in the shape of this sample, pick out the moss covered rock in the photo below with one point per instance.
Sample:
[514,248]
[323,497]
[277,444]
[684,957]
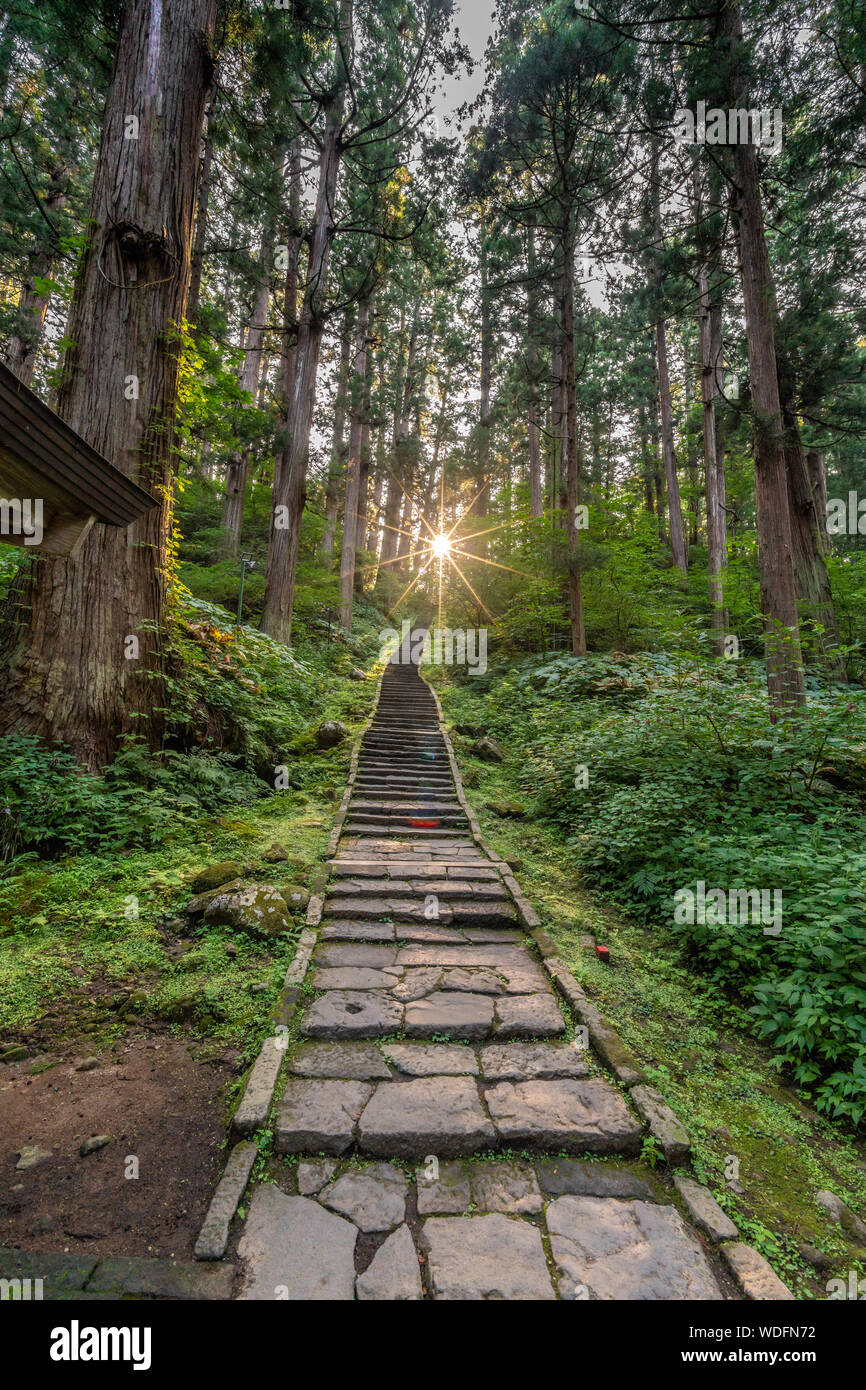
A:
[215,875]
[256,908]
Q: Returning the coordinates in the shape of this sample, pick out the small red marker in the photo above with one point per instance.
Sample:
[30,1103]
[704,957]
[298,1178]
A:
[603,954]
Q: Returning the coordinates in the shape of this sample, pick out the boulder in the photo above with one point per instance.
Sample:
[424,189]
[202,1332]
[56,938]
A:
[508,810]
[356,675]
[201,900]
[256,908]
[215,875]
[843,1216]
[276,854]
[328,735]
[488,750]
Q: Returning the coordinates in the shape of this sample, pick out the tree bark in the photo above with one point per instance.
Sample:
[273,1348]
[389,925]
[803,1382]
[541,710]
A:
[84,645]
[572,456]
[337,465]
[785,682]
[239,462]
[808,503]
[290,486]
[353,467]
[202,201]
[536,489]
[23,344]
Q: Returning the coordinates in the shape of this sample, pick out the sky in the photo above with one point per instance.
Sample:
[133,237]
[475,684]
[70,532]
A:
[474,20]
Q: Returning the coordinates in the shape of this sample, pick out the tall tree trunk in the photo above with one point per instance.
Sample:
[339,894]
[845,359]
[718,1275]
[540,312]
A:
[572,456]
[201,213]
[353,467]
[536,488]
[290,486]
[675,512]
[811,544]
[239,462]
[372,542]
[785,682]
[479,505]
[714,471]
[337,464]
[361,526]
[84,641]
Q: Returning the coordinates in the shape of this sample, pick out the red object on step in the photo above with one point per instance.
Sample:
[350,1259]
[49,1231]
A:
[603,954]
[424,824]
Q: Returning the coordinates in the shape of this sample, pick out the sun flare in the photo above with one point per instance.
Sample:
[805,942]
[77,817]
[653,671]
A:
[440,545]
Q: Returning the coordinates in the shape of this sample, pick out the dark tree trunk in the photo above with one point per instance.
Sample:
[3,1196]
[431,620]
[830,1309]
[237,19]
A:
[572,456]
[785,683]
[239,463]
[290,484]
[202,201]
[353,467]
[337,465]
[72,673]
[536,490]
[811,544]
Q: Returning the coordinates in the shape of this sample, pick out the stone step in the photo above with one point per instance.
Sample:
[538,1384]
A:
[452,1116]
[366,827]
[460,911]
[418,887]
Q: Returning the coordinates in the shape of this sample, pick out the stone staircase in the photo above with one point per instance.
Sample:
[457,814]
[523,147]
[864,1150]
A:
[429,1035]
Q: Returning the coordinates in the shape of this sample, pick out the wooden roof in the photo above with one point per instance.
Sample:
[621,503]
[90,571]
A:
[42,457]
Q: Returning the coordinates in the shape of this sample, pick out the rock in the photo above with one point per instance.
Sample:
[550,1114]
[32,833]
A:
[374,1197]
[458,1015]
[488,750]
[314,1174]
[179,1010]
[628,1250]
[203,900]
[255,1103]
[589,1116]
[89,1064]
[294,1249]
[485,1257]
[276,854]
[357,675]
[842,1215]
[814,1257]
[351,977]
[256,908]
[355,953]
[448,1193]
[297,899]
[320,1116]
[431,1059]
[214,1234]
[532,1062]
[755,1276]
[508,1186]
[562,1176]
[97,1141]
[507,810]
[704,1210]
[468,730]
[432,1115]
[330,734]
[349,1013]
[349,1061]
[13,1052]
[663,1123]
[216,875]
[529,1016]
[393,1275]
[417,983]
[31,1154]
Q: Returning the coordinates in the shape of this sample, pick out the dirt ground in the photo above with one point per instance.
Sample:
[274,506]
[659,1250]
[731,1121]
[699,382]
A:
[160,1107]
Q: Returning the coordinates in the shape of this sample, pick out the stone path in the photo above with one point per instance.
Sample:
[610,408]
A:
[432,1038]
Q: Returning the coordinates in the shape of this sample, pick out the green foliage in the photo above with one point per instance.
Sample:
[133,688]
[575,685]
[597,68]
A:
[688,782]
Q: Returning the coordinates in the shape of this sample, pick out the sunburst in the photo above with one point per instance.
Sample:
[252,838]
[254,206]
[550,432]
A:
[442,548]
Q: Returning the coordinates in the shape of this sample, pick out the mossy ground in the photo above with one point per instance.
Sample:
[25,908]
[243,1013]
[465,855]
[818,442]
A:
[695,1045]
